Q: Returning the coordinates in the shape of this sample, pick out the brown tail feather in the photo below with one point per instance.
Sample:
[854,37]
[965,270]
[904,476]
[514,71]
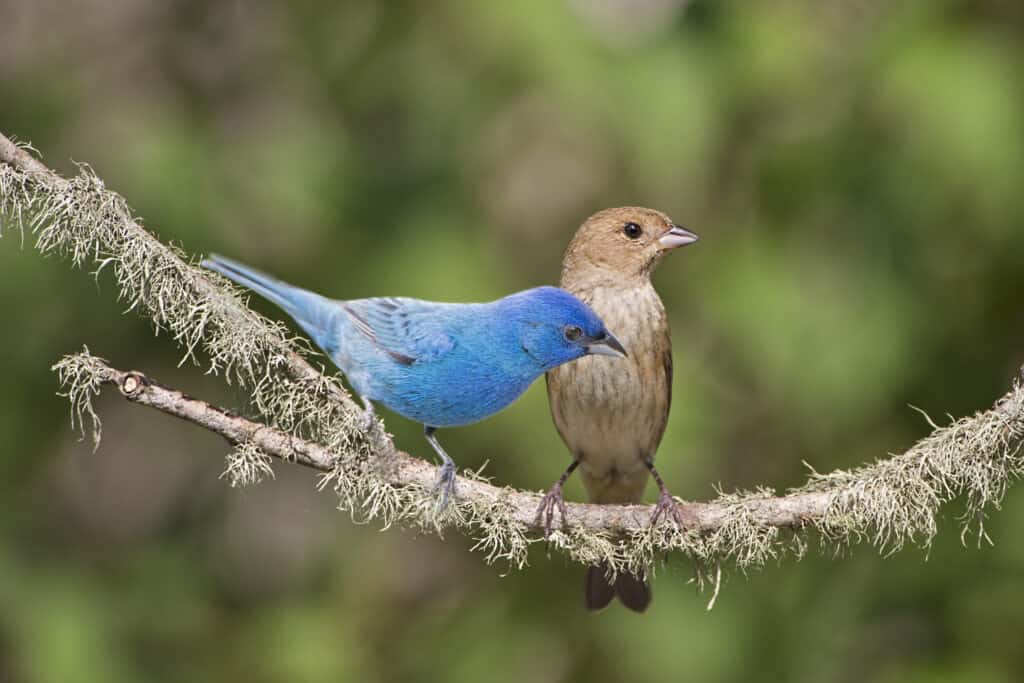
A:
[632,590]
[597,589]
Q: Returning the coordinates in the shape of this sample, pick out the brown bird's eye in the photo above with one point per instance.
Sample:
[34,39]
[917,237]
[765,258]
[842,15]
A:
[572,332]
[632,230]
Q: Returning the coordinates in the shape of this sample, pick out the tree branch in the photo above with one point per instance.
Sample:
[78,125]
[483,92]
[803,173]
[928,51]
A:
[310,419]
[405,470]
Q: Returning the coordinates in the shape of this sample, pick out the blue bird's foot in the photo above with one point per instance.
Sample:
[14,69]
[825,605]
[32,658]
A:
[369,418]
[444,486]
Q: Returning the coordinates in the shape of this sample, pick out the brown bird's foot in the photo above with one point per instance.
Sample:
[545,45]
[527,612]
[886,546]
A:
[553,499]
[546,510]
[683,514]
[667,508]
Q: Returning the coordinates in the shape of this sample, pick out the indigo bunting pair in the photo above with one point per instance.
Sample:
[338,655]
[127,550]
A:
[447,365]
[440,364]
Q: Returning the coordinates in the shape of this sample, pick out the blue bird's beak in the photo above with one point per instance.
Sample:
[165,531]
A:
[677,236]
[605,345]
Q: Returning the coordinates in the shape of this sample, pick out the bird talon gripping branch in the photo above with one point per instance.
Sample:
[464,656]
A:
[667,509]
[553,498]
[444,486]
[546,510]
[368,422]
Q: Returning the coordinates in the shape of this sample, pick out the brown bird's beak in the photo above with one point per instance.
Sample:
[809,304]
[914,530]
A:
[605,345]
[676,237]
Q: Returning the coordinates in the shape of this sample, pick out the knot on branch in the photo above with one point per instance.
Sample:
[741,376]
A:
[132,384]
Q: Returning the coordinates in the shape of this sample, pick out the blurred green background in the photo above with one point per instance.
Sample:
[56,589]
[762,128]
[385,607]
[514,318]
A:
[854,169]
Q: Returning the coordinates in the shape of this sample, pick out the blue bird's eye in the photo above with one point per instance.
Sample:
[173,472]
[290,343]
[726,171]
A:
[572,332]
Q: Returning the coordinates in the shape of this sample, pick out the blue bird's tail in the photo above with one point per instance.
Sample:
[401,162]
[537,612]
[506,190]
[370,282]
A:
[311,311]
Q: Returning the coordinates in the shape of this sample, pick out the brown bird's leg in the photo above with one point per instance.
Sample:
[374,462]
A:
[553,498]
[666,506]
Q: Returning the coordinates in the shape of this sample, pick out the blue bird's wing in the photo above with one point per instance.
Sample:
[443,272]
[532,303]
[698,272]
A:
[408,330]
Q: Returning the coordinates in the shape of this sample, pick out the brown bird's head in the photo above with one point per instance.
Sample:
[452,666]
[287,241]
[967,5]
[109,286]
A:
[623,242]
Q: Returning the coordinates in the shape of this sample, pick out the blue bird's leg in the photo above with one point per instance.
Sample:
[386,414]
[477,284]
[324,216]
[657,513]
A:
[445,484]
[553,499]
[369,414]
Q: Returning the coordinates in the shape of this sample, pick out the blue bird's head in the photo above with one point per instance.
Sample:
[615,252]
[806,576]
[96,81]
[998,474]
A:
[558,328]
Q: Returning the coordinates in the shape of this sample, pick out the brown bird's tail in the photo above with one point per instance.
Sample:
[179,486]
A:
[633,590]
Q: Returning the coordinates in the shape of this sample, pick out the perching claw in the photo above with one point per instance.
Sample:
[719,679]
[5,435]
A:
[667,506]
[553,499]
[369,418]
[444,486]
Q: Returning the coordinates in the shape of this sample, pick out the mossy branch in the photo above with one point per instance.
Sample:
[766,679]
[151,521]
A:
[308,418]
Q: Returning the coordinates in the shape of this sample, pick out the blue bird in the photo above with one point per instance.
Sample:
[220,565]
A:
[439,364]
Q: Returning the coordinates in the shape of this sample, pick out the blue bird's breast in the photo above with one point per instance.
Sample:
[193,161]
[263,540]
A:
[453,394]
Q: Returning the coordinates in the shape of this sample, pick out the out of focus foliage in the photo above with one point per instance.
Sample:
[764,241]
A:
[853,167]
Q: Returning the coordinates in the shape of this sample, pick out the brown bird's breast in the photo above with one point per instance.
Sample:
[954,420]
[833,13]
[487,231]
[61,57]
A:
[612,412]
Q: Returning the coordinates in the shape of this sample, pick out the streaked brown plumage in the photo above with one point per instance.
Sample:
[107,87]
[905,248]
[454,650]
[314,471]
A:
[612,413]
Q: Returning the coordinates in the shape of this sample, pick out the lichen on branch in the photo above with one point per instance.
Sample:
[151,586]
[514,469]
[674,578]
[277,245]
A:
[301,415]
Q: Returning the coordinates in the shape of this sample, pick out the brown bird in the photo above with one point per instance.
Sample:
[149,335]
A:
[611,413]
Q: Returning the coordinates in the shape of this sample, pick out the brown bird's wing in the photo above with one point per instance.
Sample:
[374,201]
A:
[666,363]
